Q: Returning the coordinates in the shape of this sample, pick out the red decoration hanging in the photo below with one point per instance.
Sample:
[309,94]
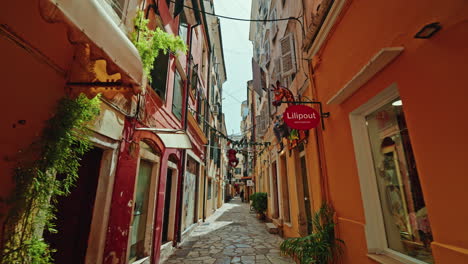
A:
[232,159]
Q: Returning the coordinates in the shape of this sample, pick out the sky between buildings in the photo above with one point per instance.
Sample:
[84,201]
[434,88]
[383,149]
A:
[238,56]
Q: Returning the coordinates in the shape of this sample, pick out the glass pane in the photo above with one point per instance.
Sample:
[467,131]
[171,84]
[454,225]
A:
[177,96]
[183,27]
[405,215]
[140,212]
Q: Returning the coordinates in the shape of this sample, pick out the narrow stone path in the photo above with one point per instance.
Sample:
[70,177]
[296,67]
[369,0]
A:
[231,235]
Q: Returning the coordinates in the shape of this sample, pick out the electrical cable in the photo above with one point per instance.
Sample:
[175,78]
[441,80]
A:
[242,19]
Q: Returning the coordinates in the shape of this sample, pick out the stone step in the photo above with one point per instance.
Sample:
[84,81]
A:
[272,228]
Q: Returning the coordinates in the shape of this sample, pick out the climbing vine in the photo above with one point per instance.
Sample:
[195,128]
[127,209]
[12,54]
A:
[150,42]
[57,152]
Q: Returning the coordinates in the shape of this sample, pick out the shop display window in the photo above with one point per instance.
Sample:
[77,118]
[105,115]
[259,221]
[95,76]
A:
[404,212]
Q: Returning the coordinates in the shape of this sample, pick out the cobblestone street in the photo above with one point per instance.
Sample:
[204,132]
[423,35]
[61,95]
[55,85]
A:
[231,235]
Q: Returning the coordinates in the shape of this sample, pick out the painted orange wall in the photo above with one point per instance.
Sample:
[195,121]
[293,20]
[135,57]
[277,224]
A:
[30,87]
[432,80]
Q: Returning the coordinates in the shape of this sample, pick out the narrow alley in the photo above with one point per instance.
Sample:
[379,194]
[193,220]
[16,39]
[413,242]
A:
[231,235]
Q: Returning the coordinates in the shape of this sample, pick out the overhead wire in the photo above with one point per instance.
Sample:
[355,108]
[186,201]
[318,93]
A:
[242,19]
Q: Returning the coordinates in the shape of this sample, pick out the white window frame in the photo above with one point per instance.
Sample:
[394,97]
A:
[375,233]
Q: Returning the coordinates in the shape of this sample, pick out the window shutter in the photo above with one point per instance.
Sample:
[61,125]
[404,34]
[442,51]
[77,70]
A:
[288,60]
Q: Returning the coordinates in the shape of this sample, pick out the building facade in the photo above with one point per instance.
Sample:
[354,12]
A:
[376,160]
[141,188]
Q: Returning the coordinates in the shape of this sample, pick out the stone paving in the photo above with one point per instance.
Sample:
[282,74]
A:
[231,235]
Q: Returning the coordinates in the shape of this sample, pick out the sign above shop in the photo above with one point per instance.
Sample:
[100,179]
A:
[301,117]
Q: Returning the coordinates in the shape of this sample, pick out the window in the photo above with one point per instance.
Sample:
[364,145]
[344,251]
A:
[397,222]
[159,75]
[183,27]
[288,58]
[285,190]
[238,171]
[118,6]
[194,80]
[209,190]
[177,96]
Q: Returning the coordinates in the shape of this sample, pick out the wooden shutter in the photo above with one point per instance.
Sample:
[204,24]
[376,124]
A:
[288,60]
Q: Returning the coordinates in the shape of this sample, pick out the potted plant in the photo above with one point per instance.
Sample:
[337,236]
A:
[320,247]
[259,203]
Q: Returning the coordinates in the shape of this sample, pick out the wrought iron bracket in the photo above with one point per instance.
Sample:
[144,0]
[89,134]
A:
[322,114]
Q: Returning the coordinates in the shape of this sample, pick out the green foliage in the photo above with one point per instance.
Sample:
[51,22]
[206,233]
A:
[320,247]
[58,151]
[259,202]
[150,42]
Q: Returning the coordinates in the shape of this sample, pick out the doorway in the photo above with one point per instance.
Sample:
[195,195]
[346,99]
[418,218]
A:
[75,212]
[167,206]
[285,190]
[307,196]
[275,213]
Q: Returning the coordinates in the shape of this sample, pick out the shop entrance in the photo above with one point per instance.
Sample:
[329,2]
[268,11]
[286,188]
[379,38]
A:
[75,212]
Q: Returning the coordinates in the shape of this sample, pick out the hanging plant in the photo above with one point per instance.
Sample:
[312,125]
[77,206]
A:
[58,151]
[150,42]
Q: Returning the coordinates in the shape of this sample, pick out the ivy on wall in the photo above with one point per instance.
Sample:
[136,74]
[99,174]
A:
[58,151]
[150,42]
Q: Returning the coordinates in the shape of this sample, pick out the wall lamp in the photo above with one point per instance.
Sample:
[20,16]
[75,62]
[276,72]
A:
[428,30]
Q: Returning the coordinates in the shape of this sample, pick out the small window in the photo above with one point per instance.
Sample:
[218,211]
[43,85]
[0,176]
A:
[159,75]
[194,80]
[183,27]
[177,96]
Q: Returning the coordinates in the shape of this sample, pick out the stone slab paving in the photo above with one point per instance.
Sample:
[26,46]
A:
[231,235]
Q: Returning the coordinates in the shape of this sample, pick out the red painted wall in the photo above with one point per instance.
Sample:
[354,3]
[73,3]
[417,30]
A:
[157,113]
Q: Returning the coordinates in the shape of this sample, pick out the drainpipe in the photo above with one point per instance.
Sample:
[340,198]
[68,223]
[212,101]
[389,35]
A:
[207,111]
[180,193]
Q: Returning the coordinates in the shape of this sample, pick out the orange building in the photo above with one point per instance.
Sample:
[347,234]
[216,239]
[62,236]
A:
[393,77]
[389,157]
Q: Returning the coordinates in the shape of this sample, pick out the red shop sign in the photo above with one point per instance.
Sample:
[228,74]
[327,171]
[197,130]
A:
[301,117]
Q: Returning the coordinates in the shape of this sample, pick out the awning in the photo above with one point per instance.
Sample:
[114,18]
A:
[246,178]
[177,140]
[171,138]
[104,33]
